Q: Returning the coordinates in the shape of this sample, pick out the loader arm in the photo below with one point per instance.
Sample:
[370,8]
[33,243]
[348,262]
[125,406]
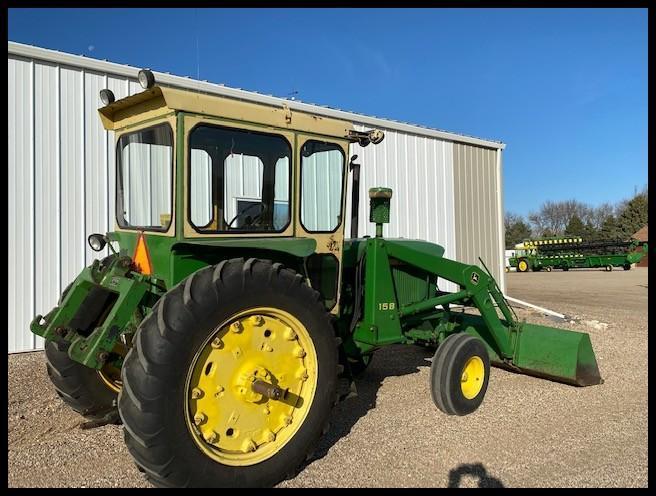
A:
[557,354]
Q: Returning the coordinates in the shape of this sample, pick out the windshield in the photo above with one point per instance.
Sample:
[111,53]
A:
[239,180]
[144,179]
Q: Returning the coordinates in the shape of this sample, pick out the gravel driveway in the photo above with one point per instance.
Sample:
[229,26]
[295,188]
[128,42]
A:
[527,433]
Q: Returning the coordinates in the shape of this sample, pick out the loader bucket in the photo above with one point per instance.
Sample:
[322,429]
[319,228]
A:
[557,354]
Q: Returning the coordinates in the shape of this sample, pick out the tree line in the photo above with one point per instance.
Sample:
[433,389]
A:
[573,218]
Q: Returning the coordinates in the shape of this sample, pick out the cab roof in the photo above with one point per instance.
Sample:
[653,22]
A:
[159,101]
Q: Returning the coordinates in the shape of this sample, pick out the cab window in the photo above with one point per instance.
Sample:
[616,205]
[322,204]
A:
[239,180]
[322,171]
[144,179]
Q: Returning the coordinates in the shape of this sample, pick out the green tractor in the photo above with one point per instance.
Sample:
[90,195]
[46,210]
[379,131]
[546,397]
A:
[231,313]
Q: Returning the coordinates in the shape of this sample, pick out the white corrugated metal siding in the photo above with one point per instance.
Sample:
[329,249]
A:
[60,184]
[477,214]
[61,174]
[419,170]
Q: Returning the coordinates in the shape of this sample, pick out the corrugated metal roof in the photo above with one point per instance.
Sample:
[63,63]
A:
[82,61]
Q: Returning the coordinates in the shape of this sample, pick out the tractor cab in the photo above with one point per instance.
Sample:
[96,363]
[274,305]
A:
[201,177]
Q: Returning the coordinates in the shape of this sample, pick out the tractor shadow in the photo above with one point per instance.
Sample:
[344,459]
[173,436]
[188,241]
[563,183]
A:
[395,360]
[476,471]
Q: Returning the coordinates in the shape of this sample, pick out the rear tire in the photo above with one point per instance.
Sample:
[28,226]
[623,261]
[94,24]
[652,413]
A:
[627,267]
[80,387]
[522,265]
[459,374]
[154,402]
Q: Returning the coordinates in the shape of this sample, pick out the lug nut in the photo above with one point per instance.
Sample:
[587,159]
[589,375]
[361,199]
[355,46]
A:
[103,356]
[210,437]
[196,393]
[299,352]
[303,375]
[249,445]
[217,343]
[289,334]
[236,327]
[266,347]
[269,436]
[266,410]
[199,418]
[258,320]
[287,420]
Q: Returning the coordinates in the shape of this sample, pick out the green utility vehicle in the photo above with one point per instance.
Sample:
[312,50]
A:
[574,253]
[230,314]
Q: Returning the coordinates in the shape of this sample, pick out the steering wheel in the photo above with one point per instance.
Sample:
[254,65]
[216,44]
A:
[243,212]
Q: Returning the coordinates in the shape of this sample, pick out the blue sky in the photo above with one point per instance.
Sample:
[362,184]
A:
[565,89]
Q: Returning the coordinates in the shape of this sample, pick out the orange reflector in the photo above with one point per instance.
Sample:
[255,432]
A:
[141,257]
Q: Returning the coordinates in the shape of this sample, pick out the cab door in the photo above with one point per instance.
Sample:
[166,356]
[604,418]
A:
[319,214]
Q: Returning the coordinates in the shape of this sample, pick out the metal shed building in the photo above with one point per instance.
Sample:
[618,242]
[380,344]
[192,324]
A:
[447,187]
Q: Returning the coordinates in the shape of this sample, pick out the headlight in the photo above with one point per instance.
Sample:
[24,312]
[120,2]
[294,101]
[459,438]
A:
[107,97]
[97,242]
[376,136]
[146,79]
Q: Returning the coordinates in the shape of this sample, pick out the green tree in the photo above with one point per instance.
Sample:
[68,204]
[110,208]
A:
[589,231]
[610,229]
[517,230]
[575,227]
[633,216]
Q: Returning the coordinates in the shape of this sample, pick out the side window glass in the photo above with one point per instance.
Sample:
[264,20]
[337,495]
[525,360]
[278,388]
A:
[201,191]
[322,171]
[144,183]
[281,195]
[243,190]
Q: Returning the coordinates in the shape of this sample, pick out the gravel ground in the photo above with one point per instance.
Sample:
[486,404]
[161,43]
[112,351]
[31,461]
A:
[527,433]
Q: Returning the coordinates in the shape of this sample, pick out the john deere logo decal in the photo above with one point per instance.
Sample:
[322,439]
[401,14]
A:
[474,277]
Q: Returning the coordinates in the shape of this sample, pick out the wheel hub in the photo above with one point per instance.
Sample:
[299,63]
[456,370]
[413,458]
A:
[251,386]
[471,380]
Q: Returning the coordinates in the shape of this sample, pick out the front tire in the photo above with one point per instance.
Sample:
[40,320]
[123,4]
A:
[459,374]
[192,420]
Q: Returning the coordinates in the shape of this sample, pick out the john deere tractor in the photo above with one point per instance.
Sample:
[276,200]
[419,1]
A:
[231,314]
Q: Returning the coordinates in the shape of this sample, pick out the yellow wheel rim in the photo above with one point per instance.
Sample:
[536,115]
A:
[228,420]
[472,378]
[523,266]
[111,377]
